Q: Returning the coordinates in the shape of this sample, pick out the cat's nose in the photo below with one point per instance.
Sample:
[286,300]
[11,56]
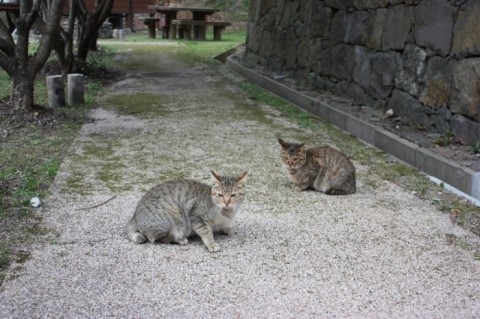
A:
[226,201]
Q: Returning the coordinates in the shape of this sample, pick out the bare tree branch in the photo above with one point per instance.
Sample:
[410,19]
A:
[46,43]
[89,25]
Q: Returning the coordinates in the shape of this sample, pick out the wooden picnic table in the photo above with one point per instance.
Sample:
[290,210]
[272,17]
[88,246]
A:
[183,28]
[151,23]
[198,14]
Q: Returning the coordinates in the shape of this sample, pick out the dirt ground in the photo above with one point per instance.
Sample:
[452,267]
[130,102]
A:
[382,252]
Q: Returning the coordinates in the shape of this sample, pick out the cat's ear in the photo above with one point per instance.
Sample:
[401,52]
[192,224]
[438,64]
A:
[283,143]
[242,178]
[216,177]
[300,147]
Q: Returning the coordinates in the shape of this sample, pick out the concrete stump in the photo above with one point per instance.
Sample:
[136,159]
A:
[76,89]
[118,33]
[56,91]
[121,34]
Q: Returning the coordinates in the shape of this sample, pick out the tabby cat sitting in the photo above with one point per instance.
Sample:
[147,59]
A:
[174,210]
[322,168]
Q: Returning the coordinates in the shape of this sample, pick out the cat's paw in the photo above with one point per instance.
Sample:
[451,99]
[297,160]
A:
[183,241]
[138,238]
[298,188]
[227,231]
[213,248]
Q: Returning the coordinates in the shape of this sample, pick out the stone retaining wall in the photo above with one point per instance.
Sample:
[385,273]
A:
[420,58]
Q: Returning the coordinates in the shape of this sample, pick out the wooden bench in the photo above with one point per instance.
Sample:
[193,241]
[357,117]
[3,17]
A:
[151,23]
[184,28]
[218,27]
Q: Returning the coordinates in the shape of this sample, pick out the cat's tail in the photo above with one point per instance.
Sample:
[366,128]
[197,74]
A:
[133,232]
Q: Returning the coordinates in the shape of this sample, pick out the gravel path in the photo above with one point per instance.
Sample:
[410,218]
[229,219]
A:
[380,253]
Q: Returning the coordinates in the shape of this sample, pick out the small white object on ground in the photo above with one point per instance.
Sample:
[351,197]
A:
[388,113]
[35,202]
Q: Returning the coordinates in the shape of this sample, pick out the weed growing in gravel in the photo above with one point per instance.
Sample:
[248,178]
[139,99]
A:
[421,185]
[304,119]
[138,104]
[447,139]
[475,148]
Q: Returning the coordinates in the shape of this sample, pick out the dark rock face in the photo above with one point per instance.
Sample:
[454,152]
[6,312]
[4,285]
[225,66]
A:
[437,82]
[375,71]
[466,37]
[421,58]
[465,97]
[407,106]
[397,27]
[434,25]
[409,74]
[338,61]
[466,128]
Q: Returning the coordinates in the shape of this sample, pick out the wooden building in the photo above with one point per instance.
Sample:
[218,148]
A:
[122,14]
[123,11]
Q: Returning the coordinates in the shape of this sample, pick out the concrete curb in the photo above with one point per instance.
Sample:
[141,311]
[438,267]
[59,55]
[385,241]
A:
[461,178]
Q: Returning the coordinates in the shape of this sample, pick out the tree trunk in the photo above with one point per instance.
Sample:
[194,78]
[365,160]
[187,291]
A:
[22,91]
[93,42]
[89,23]
[22,82]
[64,48]
[18,61]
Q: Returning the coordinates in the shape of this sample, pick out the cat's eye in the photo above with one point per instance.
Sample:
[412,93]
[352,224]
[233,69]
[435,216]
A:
[220,195]
[233,195]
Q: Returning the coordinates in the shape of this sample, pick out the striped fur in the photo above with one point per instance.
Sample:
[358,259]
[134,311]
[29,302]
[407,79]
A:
[174,210]
[322,168]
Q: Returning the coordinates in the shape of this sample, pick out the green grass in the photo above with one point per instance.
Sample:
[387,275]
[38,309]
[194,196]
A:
[192,49]
[204,51]
[4,84]
[303,118]
[139,104]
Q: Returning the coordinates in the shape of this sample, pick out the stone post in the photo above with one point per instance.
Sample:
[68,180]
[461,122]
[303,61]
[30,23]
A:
[121,34]
[56,91]
[76,89]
